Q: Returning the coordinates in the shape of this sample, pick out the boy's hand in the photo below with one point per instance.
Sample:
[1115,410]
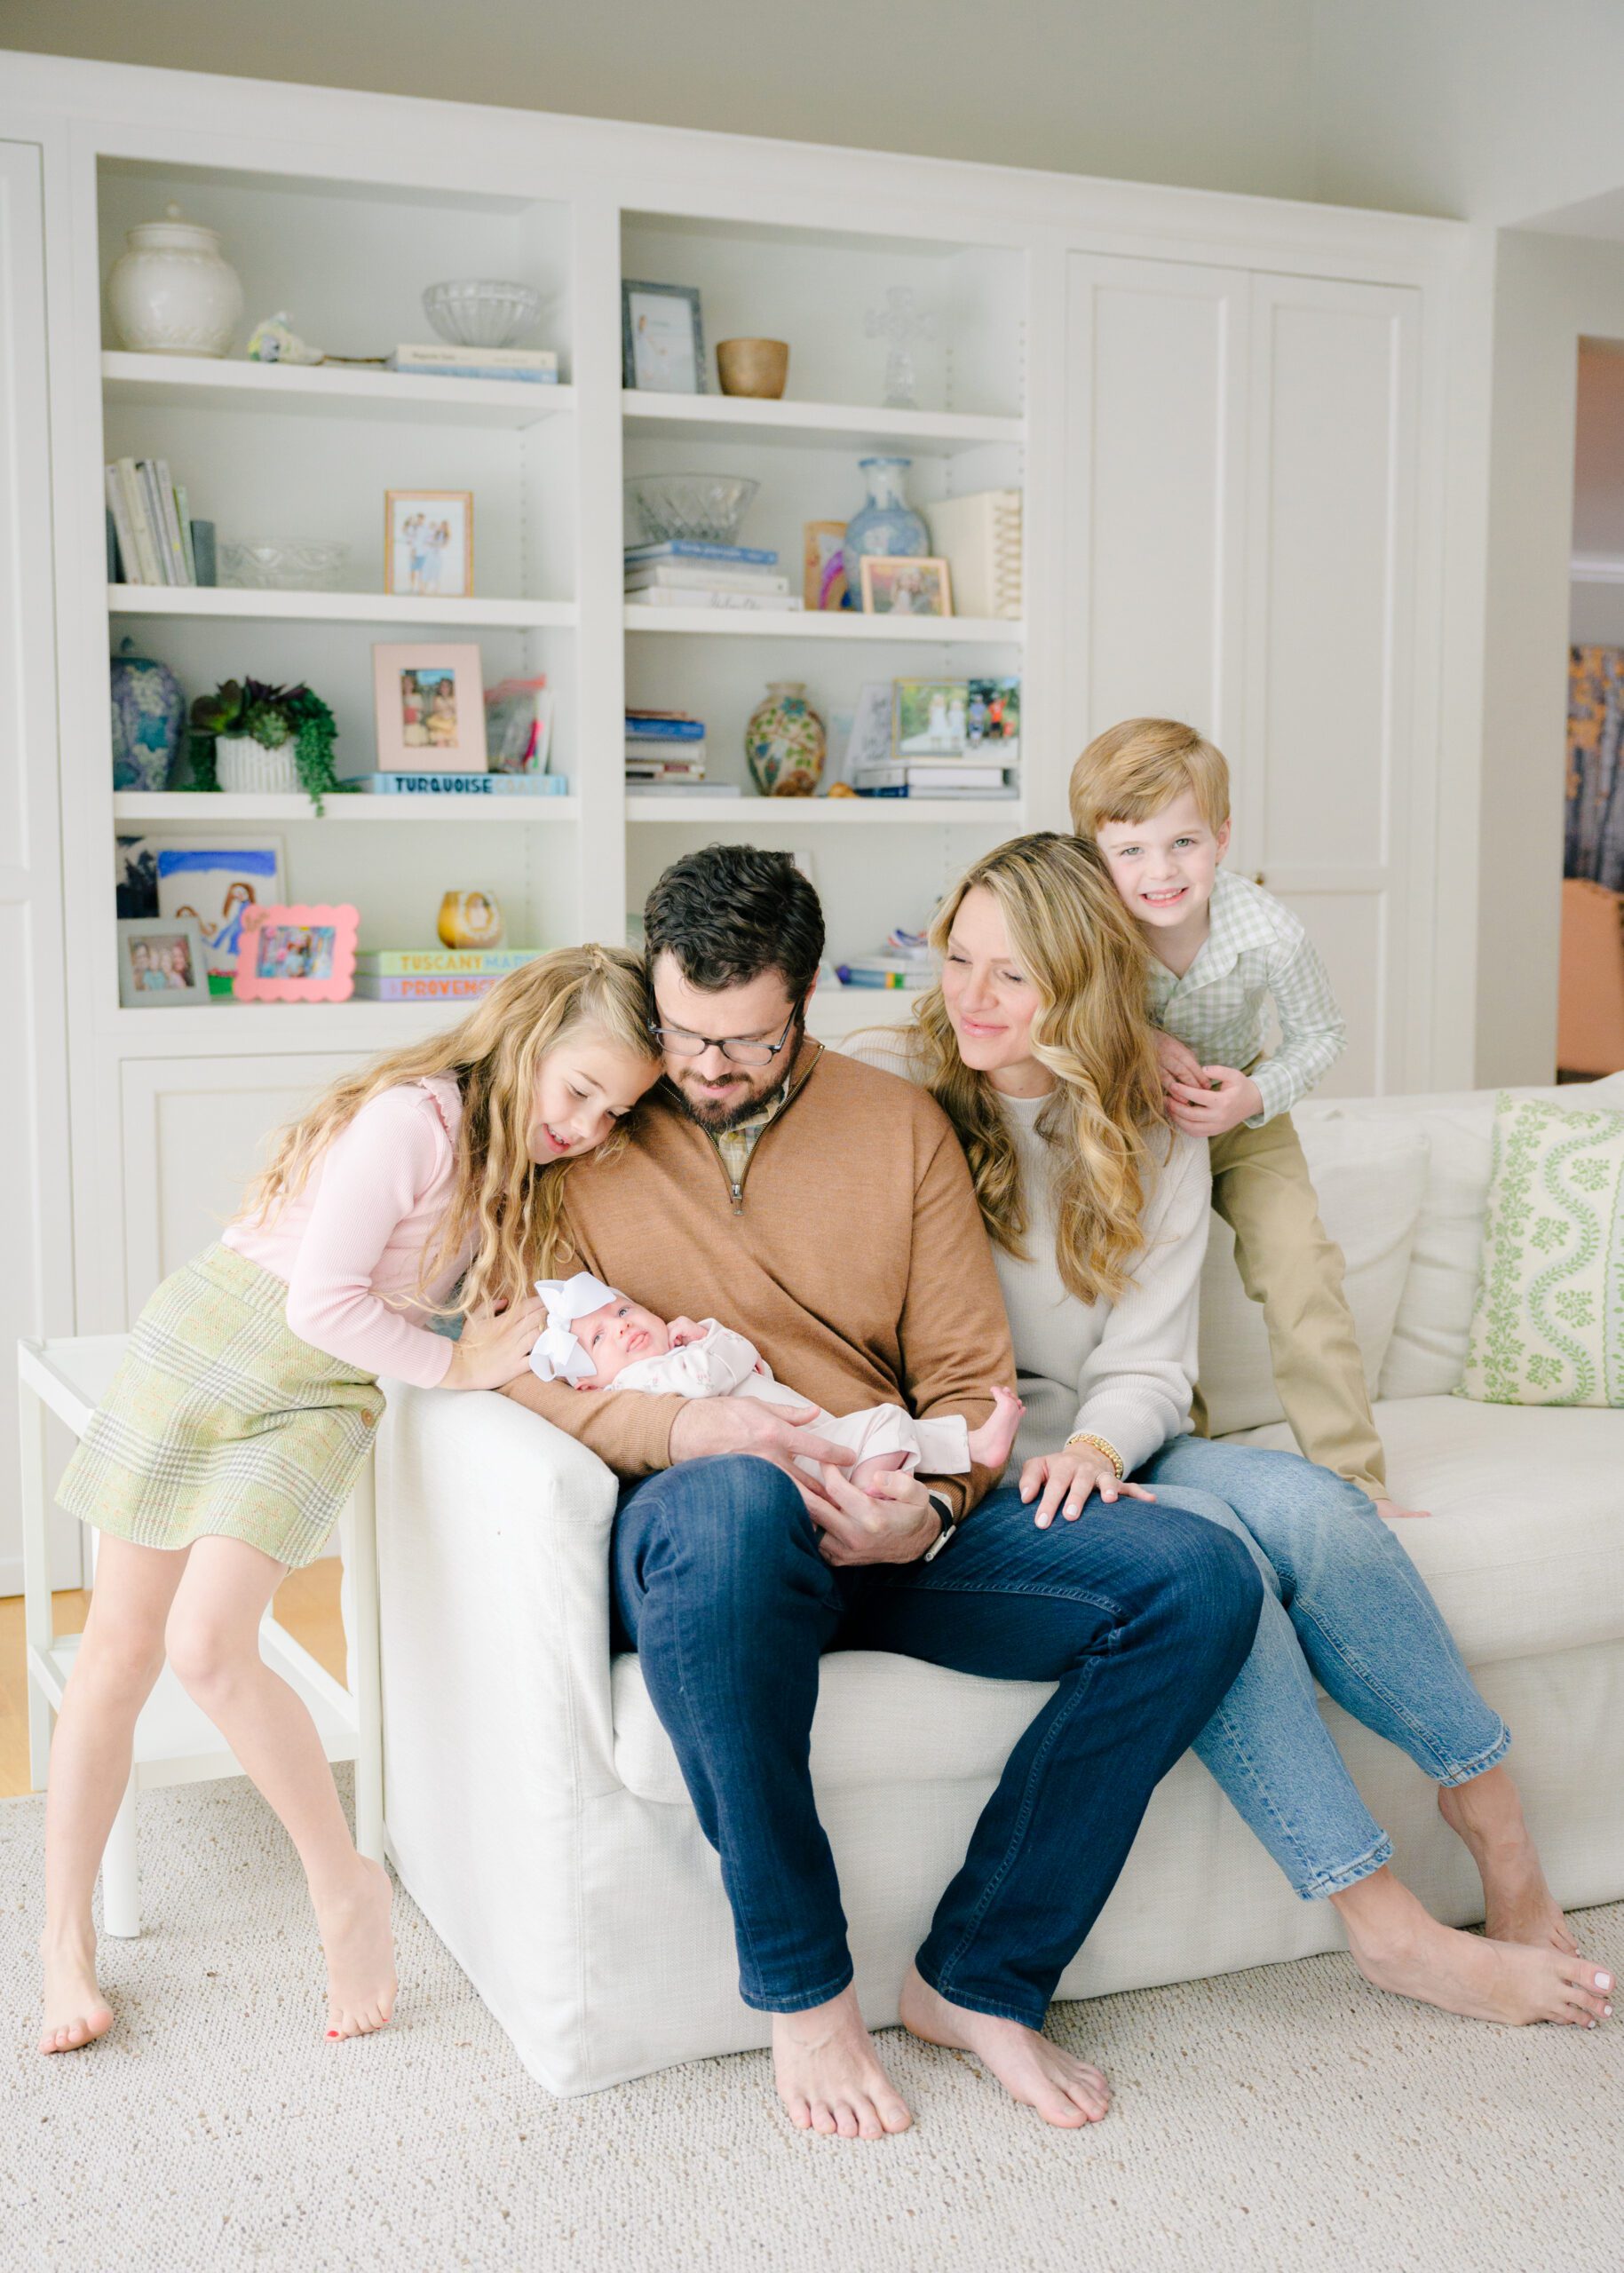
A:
[1179,1062]
[1221,1101]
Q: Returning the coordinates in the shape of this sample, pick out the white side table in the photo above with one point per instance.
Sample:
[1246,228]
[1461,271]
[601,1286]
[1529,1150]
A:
[175,1741]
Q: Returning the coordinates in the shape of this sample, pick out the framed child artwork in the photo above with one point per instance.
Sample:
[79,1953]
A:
[662,343]
[428,543]
[214,880]
[429,697]
[297,954]
[905,587]
[823,564]
[161,960]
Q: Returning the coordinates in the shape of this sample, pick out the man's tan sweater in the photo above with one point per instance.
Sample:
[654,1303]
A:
[851,1254]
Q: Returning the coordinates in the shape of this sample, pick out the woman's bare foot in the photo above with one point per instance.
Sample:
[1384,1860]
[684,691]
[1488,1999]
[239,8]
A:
[360,1950]
[991,1445]
[76,2013]
[1031,2069]
[828,2073]
[1519,1907]
[1400,1946]
[1393,1513]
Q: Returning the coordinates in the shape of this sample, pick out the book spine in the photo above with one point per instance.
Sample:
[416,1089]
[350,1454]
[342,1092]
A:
[687,548]
[183,514]
[501,371]
[422,990]
[782,603]
[128,566]
[850,975]
[174,549]
[148,476]
[463,785]
[442,963]
[202,552]
[701,576]
[645,729]
[426,356]
[135,507]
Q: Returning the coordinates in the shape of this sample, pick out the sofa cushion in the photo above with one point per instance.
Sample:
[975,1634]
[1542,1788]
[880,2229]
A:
[1370,1182]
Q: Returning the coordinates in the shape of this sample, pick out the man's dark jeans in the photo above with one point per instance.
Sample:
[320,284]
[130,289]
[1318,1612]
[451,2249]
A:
[1142,1615]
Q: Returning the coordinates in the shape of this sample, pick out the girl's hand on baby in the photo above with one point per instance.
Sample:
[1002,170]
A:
[496,1345]
[1067,1481]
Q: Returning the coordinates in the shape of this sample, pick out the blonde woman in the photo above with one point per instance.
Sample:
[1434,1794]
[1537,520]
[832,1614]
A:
[244,1406]
[1036,1046]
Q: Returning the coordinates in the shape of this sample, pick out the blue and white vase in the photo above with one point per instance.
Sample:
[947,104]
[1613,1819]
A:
[149,714]
[887,527]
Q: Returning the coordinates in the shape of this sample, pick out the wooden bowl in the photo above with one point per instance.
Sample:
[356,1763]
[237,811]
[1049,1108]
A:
[757,366]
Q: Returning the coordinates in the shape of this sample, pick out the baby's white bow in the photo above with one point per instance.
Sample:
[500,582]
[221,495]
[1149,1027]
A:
[558,1356]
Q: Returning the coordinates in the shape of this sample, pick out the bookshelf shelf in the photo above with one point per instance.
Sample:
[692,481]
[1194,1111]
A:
[151,807]
[888,630]
[224,602]
[1002,813]
[812,425]
[316,391]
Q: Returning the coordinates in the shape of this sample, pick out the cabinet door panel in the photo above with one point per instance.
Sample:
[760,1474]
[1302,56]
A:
[1156,419]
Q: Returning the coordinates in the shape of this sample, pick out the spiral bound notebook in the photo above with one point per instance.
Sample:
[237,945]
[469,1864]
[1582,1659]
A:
[980,538]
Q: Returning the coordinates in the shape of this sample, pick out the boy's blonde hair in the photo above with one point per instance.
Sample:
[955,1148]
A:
[1132,771]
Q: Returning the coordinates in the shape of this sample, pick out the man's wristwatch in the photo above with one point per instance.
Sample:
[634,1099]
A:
[948,1529]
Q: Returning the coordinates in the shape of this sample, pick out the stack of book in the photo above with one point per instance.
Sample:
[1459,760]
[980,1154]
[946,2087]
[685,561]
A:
[905,962]
[153,539]
[980,538]
[665,756]
[684,572]
[537,365]
[434,974]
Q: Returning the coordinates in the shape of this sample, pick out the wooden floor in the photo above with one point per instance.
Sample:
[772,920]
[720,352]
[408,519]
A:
[307,1604]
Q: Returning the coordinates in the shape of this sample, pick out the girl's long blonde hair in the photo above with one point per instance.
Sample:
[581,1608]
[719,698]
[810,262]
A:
[1070,937]
[509,1205]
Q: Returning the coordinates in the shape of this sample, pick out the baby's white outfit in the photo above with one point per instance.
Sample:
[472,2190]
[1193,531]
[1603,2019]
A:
[724,1364]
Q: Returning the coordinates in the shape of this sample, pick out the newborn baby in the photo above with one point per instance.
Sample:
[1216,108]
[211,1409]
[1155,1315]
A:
[598,1339]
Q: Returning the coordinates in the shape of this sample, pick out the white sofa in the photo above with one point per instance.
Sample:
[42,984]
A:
[534,1804]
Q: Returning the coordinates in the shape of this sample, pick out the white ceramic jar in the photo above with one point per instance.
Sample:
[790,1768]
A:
[173,292]
[246,768]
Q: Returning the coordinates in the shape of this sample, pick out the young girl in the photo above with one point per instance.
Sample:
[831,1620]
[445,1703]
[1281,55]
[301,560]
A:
[245,1403]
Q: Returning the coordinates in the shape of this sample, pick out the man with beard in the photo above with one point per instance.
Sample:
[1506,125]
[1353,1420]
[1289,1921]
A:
[824,1208]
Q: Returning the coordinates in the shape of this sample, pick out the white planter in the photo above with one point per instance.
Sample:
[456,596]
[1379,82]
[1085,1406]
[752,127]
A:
[172,292]
[246,767]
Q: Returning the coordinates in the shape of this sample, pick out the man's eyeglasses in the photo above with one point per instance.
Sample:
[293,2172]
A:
[678,1042]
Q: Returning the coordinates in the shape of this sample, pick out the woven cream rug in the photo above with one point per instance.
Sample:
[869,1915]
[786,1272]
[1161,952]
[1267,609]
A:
[1286,2119]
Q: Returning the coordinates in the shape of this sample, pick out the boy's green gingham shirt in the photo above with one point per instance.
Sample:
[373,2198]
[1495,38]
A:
[1256,952]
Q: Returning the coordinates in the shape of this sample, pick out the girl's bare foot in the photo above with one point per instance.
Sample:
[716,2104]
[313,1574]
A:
[1393,1513]
[360,1950]
[1520,1907]
[991,1445]
[828,2074]
[1031,2069]
[76,2013]
[1400,1946]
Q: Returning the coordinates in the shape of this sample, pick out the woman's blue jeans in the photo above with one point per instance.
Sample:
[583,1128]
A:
[1346,1605]
[1141,1616]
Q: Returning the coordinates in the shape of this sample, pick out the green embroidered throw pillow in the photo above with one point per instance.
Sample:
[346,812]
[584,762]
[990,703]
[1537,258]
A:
[1548,1328]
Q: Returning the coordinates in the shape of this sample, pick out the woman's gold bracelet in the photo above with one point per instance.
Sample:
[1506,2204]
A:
[1100,1445]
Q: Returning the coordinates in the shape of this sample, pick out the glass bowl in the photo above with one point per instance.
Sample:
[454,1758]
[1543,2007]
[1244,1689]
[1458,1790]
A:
[481,311]
[705,508]
[283,564]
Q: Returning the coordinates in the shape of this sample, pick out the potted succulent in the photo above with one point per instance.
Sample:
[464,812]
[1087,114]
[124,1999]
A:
[266,738]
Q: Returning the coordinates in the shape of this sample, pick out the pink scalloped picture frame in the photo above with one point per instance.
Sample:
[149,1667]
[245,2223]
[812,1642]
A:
[297,954]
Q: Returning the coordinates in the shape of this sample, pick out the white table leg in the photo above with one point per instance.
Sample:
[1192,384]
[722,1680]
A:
[121,1880]
[39,1618]
[361,1636]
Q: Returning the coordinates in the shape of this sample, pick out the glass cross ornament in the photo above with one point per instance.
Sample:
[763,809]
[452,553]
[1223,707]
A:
[898,323]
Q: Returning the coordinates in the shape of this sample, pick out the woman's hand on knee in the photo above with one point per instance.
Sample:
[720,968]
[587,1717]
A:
[1067,1481]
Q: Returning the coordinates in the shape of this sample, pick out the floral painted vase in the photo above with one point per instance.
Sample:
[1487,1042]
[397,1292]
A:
[784,741]
[149,713]
[887,525]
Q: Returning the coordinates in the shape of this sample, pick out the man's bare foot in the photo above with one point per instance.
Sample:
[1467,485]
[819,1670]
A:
[991,1445]
[76,2013]
[360,1950]
[1391,1512]
[1520,1907]
[1031,2069]
[1400,1946]
[828,2073]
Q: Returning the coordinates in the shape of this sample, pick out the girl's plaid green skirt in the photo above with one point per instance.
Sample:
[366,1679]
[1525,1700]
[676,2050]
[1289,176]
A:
[221,1423]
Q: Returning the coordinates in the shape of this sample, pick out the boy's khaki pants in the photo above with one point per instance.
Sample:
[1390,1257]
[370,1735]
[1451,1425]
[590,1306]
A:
[1261,1188]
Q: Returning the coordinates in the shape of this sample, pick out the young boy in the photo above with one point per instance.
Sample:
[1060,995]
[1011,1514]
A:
[1154,795]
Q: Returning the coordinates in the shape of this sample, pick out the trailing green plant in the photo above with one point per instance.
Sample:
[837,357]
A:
[273,716]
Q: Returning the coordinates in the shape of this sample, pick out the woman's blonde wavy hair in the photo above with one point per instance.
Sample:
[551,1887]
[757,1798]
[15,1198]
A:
[512,1207]
[1072,938]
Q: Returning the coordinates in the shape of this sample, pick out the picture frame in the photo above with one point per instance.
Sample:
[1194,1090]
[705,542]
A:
[662,338]
[823,565]
[905,584]
[297,954]
[215,880]
[163,961]
[428,701]
[428,543]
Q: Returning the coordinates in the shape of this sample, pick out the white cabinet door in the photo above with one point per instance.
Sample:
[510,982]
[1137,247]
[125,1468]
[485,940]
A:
[1334,786]
[194,1132]
[36,1238]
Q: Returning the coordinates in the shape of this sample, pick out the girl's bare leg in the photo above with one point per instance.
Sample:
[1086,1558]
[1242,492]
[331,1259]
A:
[1487,1814]
[118,1660]
[214,1647]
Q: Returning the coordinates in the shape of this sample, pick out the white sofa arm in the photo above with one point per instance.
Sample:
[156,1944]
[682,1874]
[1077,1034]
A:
[493,1611]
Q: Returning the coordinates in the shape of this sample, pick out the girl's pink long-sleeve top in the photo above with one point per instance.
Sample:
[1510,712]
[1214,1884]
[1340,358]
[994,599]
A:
[350,1245]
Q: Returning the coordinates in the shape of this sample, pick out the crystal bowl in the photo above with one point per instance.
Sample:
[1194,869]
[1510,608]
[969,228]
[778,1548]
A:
[283,564]
[706,508]
[481,311]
